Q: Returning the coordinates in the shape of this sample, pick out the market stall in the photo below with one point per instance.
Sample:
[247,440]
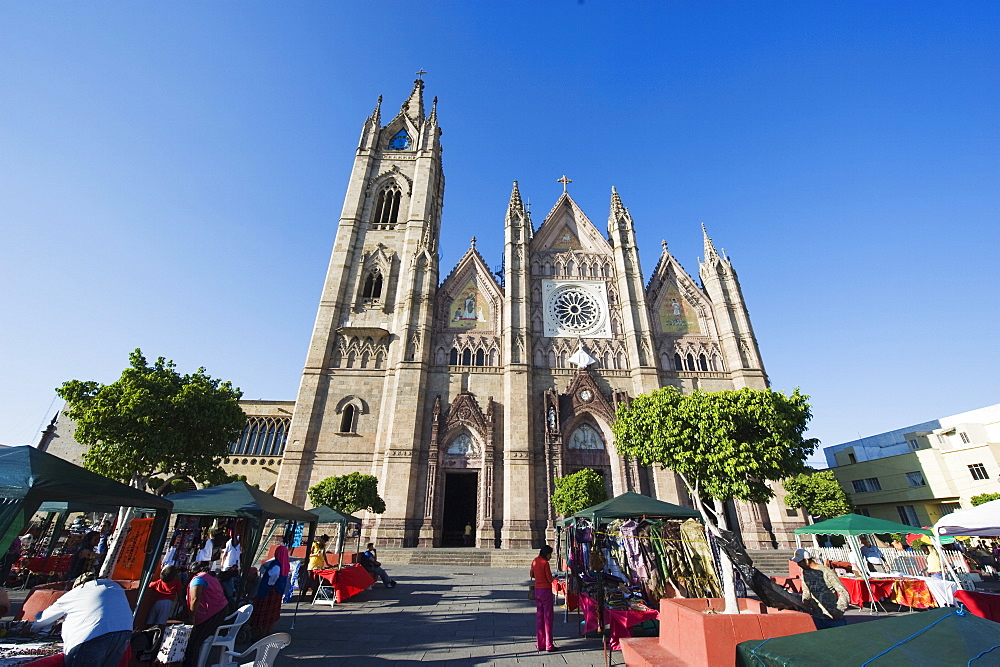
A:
[343,522]
[626,553]
[29,478]
[979,521]
[909,591]
[248,506]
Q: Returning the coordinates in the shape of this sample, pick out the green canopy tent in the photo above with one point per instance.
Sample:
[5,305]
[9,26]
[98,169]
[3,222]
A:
[634,505]
[934,637]
[329,515]
[30,477]
[852,525]
[239,499]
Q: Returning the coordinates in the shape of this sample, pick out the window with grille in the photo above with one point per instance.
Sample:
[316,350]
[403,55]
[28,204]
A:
[866,485]
[964,436]
[978,471]
[262,436]
[907,515]
[948,508]
[915,478]
[387,206]
[914,444]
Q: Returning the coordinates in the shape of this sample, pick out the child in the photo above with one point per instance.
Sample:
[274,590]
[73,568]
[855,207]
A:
[165,590]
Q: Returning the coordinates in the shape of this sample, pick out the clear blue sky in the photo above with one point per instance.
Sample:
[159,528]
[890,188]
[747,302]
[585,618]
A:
[171,175]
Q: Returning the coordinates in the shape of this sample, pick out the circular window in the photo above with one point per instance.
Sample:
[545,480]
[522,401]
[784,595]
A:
[575,309]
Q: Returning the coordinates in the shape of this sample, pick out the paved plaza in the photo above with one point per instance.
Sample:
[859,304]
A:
[437,614]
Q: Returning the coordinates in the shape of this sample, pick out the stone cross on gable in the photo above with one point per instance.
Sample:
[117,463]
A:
[420,74]
[565,181]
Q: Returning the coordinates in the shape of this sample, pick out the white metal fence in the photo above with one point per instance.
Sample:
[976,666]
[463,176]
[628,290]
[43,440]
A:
[913,563]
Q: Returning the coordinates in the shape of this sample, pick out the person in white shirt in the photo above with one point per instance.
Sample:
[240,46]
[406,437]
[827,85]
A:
[97,625]
[231,554]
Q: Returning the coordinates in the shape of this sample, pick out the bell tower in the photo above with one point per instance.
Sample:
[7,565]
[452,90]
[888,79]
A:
[370,344]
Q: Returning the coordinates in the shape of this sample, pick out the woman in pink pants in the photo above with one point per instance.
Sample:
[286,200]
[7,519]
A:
[542,574]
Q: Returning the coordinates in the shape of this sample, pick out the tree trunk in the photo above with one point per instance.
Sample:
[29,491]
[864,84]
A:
[728,573]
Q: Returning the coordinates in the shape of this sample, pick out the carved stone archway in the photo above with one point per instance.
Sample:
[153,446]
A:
[463,416]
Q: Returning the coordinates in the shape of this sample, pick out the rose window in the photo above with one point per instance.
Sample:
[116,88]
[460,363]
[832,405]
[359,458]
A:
[575,309]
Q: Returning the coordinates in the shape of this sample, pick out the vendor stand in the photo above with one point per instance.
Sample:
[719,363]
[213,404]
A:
[979,521]
[913,592]
[242,501]
[338,583]
[616,553]
[328,515]
[30,477]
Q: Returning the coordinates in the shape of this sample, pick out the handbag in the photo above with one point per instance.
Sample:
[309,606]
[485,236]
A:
[175,642]
[531,591]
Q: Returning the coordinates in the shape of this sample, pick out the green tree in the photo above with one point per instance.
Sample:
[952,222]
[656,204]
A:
[984,498]
[724,445]
[819,493]
[153,421]
[578,491]
[348,493]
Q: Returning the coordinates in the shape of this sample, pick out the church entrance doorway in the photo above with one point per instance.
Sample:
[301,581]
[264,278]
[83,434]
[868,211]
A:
[461,491]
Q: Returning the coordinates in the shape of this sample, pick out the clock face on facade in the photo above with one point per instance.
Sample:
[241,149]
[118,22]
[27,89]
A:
[400,141]
[575,309]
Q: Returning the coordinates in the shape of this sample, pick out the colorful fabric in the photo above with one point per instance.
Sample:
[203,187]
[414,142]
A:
[632,552]
[317,557]
[859,592]
[912,593]
[166,590]
[543,617]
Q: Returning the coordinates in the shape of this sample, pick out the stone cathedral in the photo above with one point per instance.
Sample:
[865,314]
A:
[467,392]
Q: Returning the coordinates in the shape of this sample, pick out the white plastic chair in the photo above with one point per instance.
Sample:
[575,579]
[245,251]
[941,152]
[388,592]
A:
[225,635]
[265,651]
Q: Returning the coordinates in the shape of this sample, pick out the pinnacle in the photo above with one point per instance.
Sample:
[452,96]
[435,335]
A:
[709,246]
[414,105]
[515,197]
[617,208]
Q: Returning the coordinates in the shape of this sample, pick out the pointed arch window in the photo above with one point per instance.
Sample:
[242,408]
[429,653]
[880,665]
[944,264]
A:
[586,437]
[702,362]
[453,357]
[373,285]
[677,362]
[387,206]
[690,362]
[480,358]
[467,358]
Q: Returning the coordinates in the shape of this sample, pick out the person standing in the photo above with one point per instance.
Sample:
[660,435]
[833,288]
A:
[270,591]
[165,589]
[821,591]
[541,572]
[98,622]
[317,561]
[467,537]
[207,602]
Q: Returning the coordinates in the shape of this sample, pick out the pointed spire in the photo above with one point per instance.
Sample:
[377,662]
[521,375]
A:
[515,198]
[472,243]
[710,252]
[434,111]
[414,105]
[377,113]
[663,244]
[617,209]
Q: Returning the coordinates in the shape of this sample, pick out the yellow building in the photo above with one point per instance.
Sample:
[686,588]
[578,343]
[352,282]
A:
[917,474]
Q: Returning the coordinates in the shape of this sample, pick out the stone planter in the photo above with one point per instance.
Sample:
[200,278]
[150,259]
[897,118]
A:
[689,636]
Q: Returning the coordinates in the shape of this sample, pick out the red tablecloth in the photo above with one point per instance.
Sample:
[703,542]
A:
[907,592]
[619,620]
[984,605]
[856,588]
[347,581]
[559,588]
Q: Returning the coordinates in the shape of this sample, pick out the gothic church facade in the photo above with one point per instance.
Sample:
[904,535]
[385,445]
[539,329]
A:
[468,396]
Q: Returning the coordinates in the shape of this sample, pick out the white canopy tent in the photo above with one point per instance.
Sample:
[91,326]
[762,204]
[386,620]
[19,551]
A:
[980,520]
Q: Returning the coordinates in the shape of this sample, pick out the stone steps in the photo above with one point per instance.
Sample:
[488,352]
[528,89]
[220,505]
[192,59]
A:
[772,562]
[469,557]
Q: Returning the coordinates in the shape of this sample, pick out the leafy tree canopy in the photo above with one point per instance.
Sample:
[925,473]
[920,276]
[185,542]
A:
[348,493]
[578,491]
[725,445]
[818,493]
[984,498]
[154,421]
